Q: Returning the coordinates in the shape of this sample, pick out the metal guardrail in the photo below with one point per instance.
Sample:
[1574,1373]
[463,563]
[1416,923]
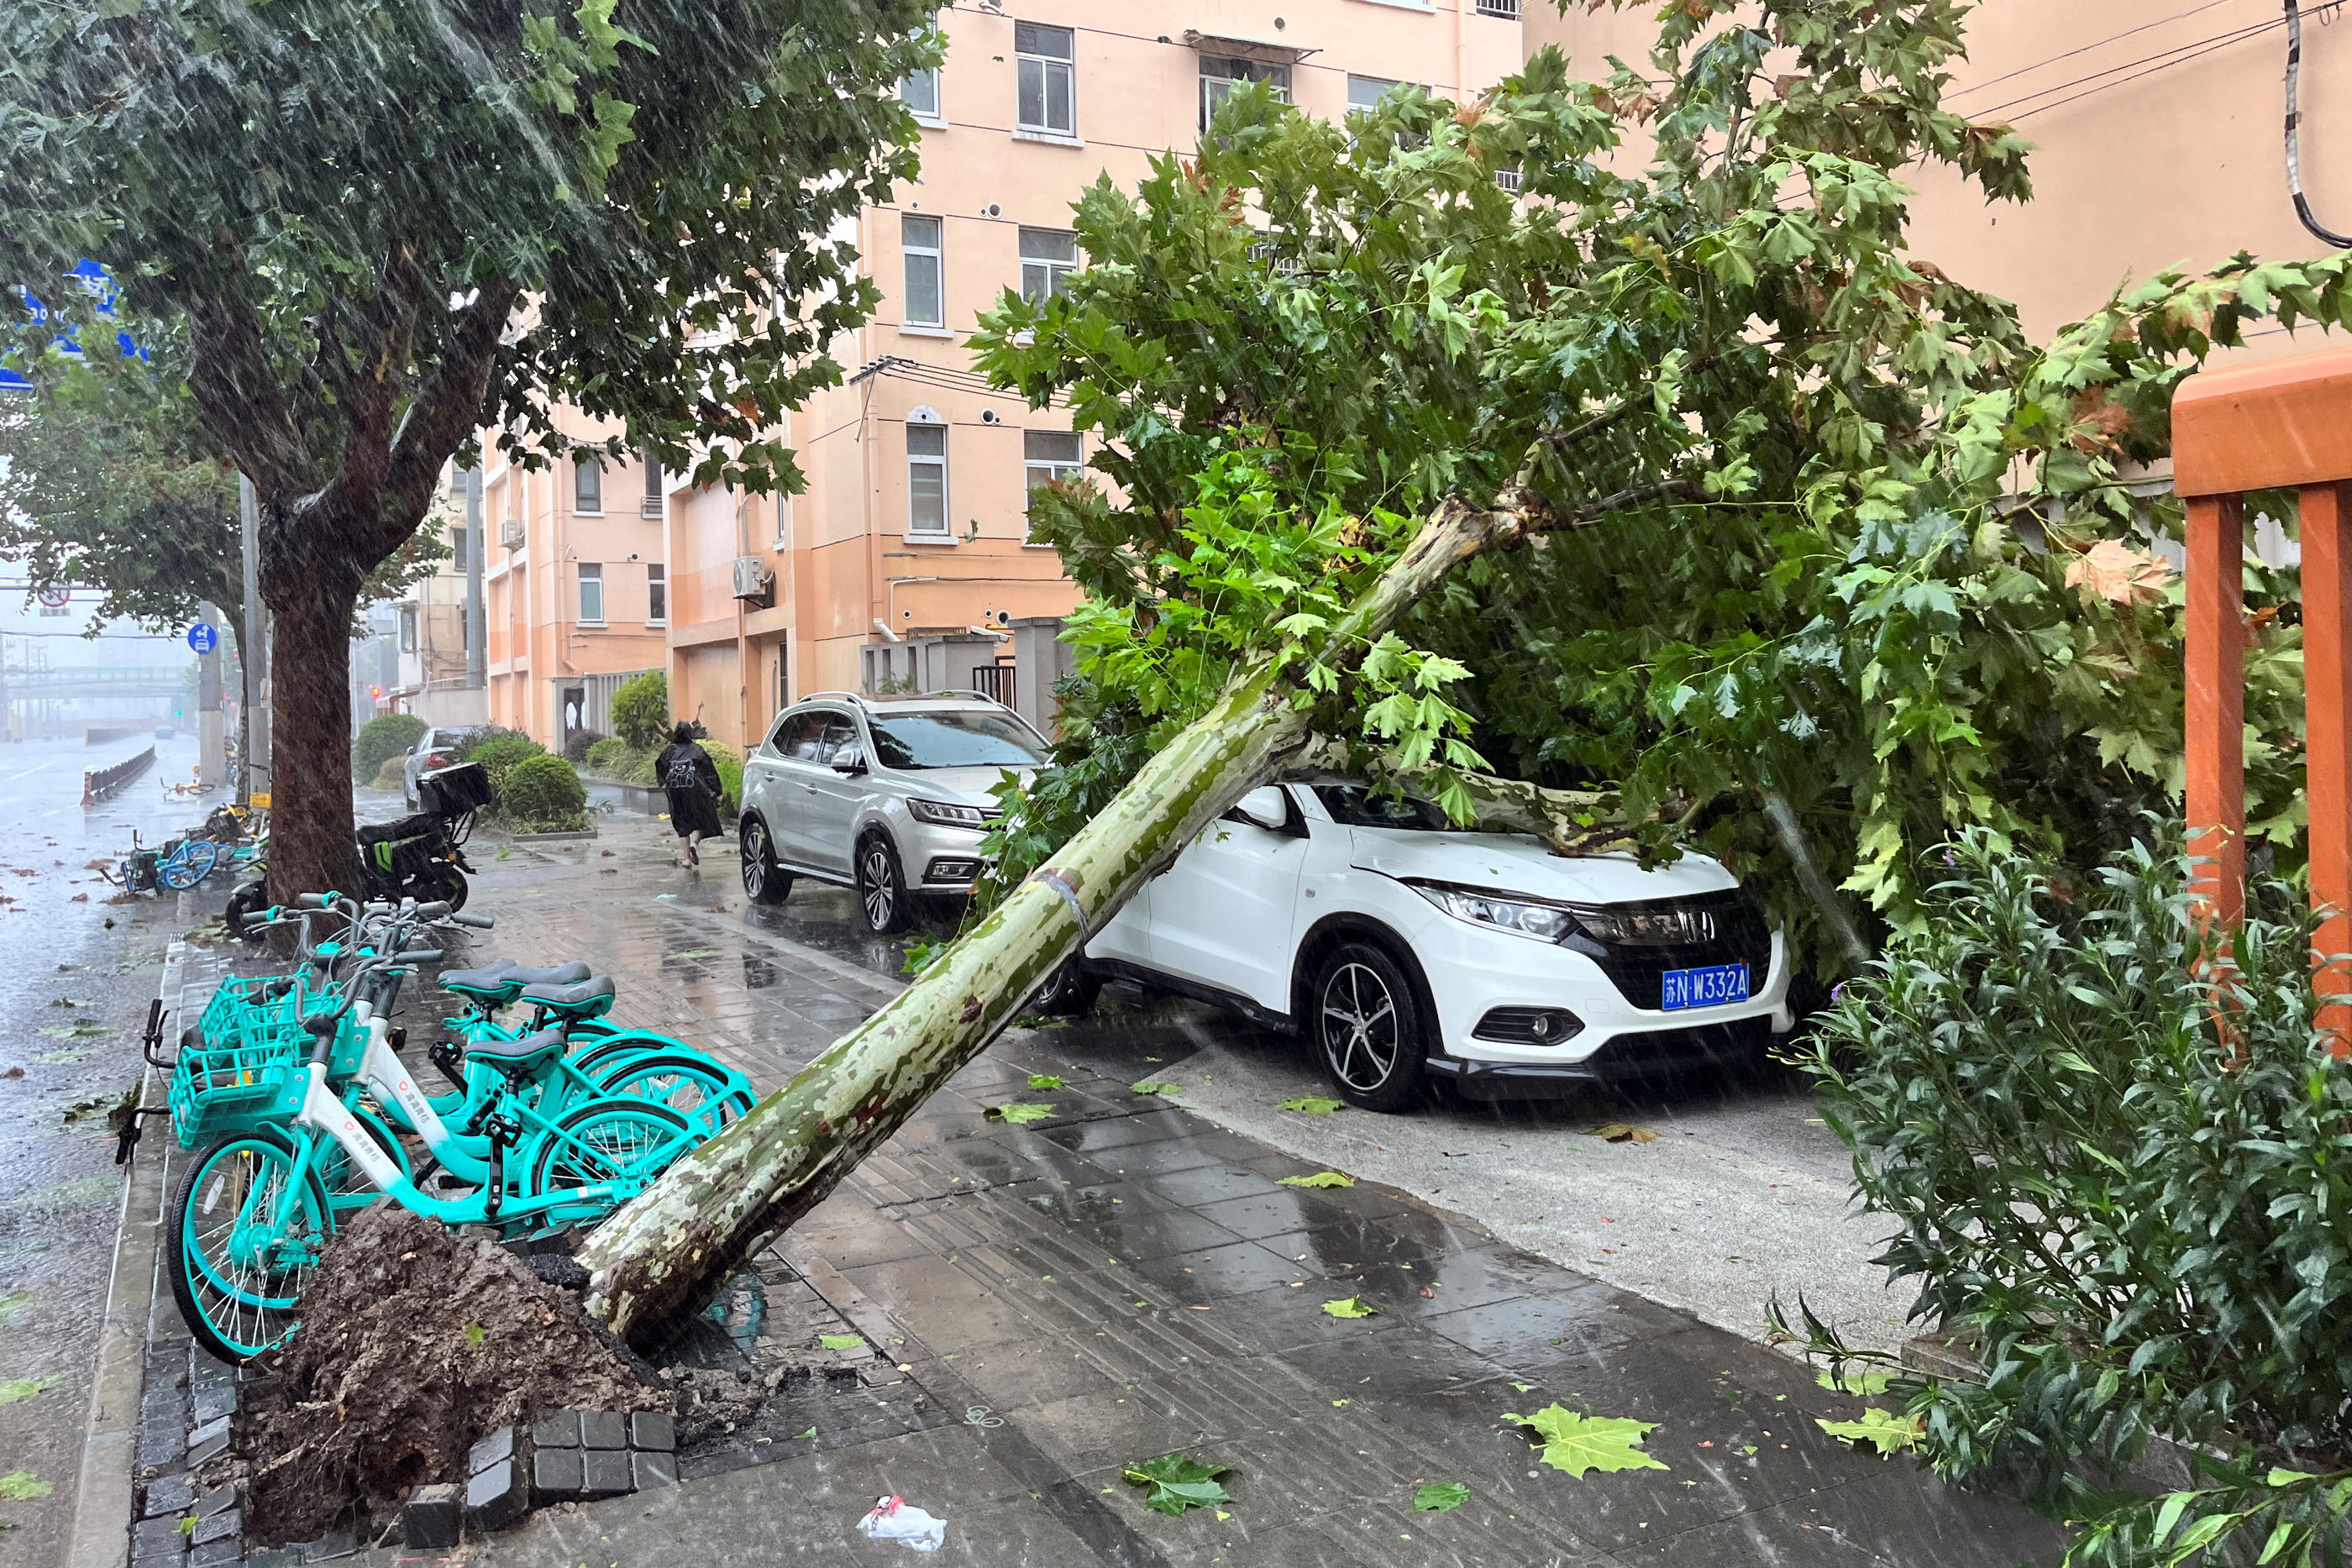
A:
[104,783]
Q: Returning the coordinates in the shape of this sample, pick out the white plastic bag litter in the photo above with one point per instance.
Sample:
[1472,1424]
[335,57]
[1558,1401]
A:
[896,1518]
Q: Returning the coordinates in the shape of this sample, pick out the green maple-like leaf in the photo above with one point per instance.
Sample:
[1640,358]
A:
[21,1486]
[1869,1384]
[1178,1483]
[1155,1086]
[1313,1104]
[1043,1081]
[1019,1113]
[475,1334]
[1321,1178]
[1881,1428]
[840,1341]
[1578,1444]
[1440,1496]
[16,1388]
[1351,1307]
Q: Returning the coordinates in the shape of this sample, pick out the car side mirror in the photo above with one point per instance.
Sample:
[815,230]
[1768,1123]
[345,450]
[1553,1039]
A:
[1264,807]
[847,761]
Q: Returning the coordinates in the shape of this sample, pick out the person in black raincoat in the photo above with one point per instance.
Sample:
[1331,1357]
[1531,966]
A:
[691,780]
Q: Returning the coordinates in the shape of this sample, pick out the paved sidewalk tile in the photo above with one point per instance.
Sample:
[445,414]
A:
[1125,1279]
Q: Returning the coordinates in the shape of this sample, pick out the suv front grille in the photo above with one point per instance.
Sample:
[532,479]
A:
[1638,973]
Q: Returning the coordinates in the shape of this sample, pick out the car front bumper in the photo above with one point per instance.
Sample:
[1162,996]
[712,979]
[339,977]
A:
[936,858]
[1472,972]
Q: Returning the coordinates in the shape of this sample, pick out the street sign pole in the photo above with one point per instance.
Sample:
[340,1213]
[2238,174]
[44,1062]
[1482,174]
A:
[212,760]
[477,623]
[255,641]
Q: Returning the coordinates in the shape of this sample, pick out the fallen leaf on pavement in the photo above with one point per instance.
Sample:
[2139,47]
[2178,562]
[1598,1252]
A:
[1018,1113]
[1155,1086]
[1440,1496]
[1043,1081]
[1881,1428]
[840,1341]
[1623,1132]
[1579,1444]
[1313,1104]
[1351,1307]
[1177,1483]
[1321,1178]
[1869,1384]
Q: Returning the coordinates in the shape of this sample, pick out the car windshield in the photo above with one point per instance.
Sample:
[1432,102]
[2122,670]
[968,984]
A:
[953,739]
[1354,806]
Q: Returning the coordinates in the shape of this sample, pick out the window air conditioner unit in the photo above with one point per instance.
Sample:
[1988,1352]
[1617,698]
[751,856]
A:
[510,533]
[754,583]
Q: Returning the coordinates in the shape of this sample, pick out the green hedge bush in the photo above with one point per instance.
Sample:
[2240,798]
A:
[576,749]
[542,794]
[613,757]
[2122,1175]
[641,709]
[380,739]
[393,774]
[730,776]
[500,752]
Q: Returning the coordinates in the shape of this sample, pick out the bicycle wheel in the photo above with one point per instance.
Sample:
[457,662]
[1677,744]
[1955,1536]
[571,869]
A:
[178,874]
[242,1240]
[627,1141]
[599,1058]
[202,855]
[689,1083]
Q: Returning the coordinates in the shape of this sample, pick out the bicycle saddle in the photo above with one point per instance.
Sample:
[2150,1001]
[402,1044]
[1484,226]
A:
[585,1000]
[530,1047]
[488,980]
[505,977]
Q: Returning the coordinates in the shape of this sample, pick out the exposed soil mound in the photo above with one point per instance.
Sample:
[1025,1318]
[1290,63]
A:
[415,1344]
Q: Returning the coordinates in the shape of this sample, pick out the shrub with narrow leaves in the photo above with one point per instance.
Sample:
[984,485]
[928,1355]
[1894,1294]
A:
[2126,1176]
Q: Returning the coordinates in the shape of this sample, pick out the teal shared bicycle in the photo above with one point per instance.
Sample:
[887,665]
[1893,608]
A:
[545,1147]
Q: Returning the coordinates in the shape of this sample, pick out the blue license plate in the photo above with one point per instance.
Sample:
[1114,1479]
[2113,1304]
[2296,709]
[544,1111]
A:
[1708,988]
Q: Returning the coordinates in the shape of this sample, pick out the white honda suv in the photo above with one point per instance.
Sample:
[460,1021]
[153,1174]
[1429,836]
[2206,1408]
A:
[1404,950]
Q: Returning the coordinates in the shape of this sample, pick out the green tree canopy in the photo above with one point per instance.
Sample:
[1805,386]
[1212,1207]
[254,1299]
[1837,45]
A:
[1841,604]
[379,227]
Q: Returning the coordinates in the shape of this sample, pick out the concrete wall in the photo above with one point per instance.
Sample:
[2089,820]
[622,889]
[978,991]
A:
[2158,133]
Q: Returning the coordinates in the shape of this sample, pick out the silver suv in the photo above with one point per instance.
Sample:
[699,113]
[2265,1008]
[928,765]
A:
[887,795]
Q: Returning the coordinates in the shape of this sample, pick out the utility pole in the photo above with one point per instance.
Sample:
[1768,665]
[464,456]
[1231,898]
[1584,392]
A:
[254,645]
[212,760]
[477,622]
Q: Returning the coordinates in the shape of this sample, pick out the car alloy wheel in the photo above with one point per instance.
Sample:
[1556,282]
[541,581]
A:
[764,882]
[1368,1024]
[881,889]
[1359,1028]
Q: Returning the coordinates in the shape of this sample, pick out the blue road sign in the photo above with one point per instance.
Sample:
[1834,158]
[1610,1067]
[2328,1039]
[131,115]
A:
[203,637]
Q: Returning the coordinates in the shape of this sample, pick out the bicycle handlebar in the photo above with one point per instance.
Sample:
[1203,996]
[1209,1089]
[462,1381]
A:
[477,922]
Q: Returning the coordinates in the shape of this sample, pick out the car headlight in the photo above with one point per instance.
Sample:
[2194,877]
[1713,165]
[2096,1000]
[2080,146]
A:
[1543,922]
[947,814]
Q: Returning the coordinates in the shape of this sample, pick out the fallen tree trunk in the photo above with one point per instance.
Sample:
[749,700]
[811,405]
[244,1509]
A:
[723,1202]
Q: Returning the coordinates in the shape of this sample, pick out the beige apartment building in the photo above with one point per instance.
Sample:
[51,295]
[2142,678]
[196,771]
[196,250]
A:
[2158,134]
[906,559]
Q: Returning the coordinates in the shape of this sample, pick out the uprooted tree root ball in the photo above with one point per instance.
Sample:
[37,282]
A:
[415,1342]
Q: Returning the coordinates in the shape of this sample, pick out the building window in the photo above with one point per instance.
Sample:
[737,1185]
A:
[460,541]
[653,502]
[407,631]
[919,238]
[1047,79]
[591,594]
[920,91]
[587,485]
[1505,9]
[1220,72]
[1049,454]
[1364,93]
[1047,256]
[658,593]
[927,480]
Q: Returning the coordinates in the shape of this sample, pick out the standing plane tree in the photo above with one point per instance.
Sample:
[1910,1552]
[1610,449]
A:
[382,226]
[1348,384]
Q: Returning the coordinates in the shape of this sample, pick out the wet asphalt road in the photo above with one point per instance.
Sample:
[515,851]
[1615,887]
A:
[1742,1196]
[76,975]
